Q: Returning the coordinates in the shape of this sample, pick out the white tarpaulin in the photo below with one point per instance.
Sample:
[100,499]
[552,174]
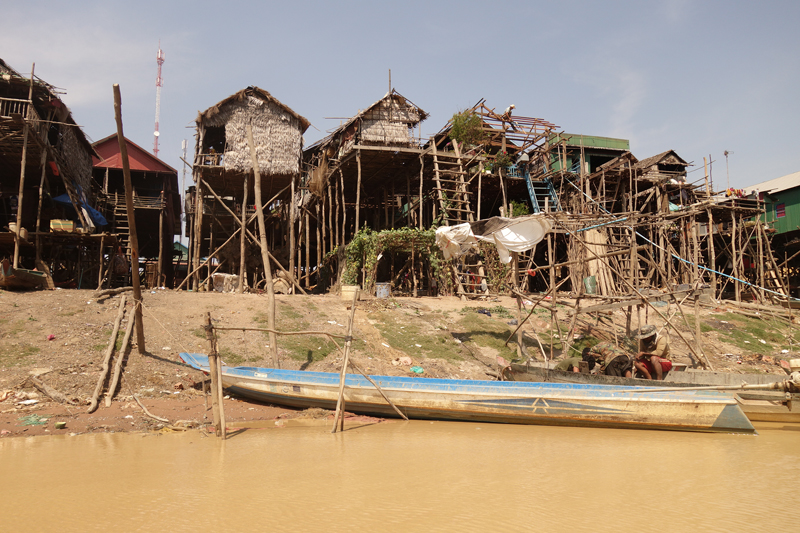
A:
[509,235]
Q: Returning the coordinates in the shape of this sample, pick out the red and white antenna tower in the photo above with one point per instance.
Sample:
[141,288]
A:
[159,84]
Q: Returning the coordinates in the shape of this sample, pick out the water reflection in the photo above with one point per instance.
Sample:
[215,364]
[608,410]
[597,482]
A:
[400,476]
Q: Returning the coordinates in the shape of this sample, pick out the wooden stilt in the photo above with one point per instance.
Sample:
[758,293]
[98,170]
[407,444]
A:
[243,239]
[421,168]
[273,339]
[23,165]
[292,241]
[308,254]
[358,192]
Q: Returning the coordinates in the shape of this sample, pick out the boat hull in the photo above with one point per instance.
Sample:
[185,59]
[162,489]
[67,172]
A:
[757,405]
[488,401]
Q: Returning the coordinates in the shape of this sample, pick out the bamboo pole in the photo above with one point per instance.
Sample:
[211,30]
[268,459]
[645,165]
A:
[243,239]
[217,407]
[160,267]
[630,286]
[112,387]
[308,252]
[112,342]
[273,340]
[421,169]
[23,166]
[126,172]
[292,249]
[358,192]
[338,419]
[344,209]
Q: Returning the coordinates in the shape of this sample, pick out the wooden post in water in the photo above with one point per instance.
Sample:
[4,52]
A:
[338,419]
[217,409]
[134,240]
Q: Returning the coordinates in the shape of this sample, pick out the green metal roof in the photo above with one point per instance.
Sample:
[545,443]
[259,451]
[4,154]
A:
[591,141]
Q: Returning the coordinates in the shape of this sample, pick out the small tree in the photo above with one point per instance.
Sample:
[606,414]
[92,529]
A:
[467,128]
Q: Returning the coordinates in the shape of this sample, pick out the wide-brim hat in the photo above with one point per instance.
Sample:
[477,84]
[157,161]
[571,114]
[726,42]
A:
[645,332]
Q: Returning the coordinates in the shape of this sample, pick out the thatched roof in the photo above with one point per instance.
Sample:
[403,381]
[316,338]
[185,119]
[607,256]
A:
[252,91]
[277,132]
[664,158]
[392,107]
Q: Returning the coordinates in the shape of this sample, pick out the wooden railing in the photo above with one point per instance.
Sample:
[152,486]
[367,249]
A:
[13,106]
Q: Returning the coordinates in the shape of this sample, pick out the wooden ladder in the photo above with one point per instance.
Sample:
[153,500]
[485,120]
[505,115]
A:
[453,192]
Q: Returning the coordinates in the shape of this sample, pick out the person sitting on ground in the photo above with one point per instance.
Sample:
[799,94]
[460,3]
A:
[614,360]
[653,360]
[572,364]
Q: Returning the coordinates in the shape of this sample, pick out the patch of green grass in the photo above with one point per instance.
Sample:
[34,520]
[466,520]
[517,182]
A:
[746,334]
[231,358]
[15,355]
[199,332]
[306,348]
[405,335]
[485,332]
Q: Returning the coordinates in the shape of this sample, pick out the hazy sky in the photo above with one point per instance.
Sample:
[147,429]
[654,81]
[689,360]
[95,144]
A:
[696,77]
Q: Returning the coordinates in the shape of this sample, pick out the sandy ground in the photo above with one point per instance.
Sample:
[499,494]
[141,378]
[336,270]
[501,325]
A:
[61,337]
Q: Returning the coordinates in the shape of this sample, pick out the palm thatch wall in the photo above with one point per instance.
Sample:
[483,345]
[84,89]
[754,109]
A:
[277,132]
[390,121]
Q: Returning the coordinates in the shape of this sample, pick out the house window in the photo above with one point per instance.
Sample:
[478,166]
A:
[780,210]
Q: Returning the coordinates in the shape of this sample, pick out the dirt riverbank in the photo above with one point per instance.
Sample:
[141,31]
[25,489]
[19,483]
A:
[61,336]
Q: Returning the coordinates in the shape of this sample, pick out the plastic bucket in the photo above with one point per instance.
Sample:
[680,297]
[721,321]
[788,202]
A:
[383,290]
[347,292]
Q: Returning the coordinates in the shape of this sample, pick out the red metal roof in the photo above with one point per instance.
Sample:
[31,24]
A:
[138,158]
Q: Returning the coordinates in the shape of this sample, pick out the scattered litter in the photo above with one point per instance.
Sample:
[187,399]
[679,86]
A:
[485,312]
[784,351]
[513,322]
[418,345]
[405,361]
[129,416]
[166,348]
[417,369]
[384,344]
[458,341]
[51,337]
[577,337]
[331,322]
[747,342]
[60,425]
[762,341]
[724,321]
[28,402]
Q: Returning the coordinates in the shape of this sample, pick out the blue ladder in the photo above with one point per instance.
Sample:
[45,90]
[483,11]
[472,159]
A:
[538,191]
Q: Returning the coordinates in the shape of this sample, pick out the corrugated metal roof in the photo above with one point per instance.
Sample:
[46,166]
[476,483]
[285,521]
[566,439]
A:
[789,181]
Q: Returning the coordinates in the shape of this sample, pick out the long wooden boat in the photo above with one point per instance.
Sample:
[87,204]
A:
[758,405]
[489,401]
[19,278]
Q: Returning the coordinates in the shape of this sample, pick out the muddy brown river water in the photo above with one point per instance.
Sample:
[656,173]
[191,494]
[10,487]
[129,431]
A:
[404,476]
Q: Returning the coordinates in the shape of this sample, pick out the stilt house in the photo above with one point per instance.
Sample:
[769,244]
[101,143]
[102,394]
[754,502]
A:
[223,168]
